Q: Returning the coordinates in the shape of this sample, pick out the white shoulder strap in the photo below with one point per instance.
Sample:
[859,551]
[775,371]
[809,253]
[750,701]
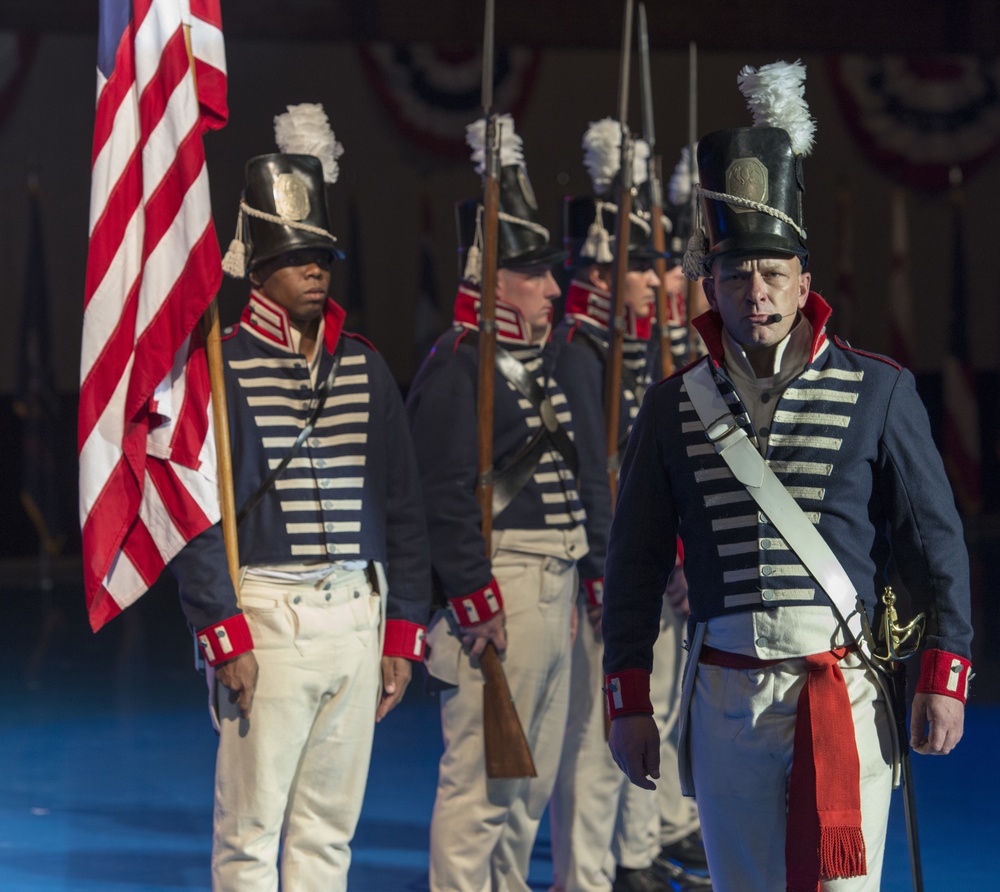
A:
[748,466]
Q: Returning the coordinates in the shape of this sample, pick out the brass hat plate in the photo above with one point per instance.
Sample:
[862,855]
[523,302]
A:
[747,178]
[291,197]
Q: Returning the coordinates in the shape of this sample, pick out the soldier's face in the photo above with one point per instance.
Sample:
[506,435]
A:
[299,282]
[640,295]
[748,291]
[676,281]
[531,290]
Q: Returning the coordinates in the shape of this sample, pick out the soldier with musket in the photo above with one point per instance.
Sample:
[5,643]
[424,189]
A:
[516,591]
[587,802]
[798,472]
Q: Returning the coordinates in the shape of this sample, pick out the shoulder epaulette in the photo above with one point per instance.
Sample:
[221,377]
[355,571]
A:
[843,345]
[354,336]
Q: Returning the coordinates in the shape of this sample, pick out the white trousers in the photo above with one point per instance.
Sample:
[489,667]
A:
[293,776]
[483,831]
[589,838]
[678,815]
[597,819]
[742,726]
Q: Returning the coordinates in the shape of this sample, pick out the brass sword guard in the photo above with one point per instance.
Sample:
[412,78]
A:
[899,641]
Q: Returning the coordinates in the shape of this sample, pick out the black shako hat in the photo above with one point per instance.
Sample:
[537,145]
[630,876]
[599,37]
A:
[283,206]
[755,164]
[589,221]
[522,239]
[290,188]
[750,178]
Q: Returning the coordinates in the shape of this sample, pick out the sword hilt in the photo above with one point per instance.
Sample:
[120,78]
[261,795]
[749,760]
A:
[895,637]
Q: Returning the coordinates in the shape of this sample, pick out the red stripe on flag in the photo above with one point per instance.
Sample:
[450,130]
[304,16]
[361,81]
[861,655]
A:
[176,318]
[99,385]
[106,238]
[186,513]
[141,549]
[207,11]
[192,424]
[108,520]
[173,68]
[117,90]
[101,607]
[211,94]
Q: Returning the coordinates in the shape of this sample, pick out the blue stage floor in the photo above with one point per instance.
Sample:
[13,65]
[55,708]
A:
[106,760]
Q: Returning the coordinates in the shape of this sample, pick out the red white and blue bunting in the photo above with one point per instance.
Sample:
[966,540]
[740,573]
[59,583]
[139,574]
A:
[919,117]
[431,94]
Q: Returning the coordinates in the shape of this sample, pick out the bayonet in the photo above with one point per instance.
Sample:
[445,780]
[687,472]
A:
[655,197]
[612,382]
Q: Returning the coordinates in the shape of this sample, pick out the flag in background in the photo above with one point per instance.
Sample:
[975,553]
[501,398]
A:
[902,340]
[147,460]
[962,456]
[845,264]
[37,403]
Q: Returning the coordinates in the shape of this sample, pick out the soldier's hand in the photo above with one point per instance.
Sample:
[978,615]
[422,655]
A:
[635,747]
[594,614]
[396,674]
[677,592]
[937,722]
[239,675]
[475,638]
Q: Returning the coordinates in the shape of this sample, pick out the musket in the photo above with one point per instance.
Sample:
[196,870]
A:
[507,751]
[619,267]
[692,286]
[656,196]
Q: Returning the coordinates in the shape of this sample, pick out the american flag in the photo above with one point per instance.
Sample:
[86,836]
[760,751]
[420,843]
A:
[147,458]
[962,452]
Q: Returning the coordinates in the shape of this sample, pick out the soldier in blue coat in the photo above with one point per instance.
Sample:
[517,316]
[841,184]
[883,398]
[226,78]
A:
[516,591]
[335,576]
[605,832]
[788,738]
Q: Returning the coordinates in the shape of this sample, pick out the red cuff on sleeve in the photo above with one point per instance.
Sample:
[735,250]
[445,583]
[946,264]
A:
[404,639]
[226,639]
[470,610]
[628,692]
[595,591]
[944,673]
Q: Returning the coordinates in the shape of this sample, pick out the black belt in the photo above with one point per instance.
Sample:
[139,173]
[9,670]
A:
[509,480]
[514,371]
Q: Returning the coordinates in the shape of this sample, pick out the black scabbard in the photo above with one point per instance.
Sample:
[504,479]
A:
[896,671]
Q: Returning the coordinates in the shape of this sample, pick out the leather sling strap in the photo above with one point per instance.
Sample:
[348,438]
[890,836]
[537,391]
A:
[749,468]
[510,480]
[324,392]
[514,371]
